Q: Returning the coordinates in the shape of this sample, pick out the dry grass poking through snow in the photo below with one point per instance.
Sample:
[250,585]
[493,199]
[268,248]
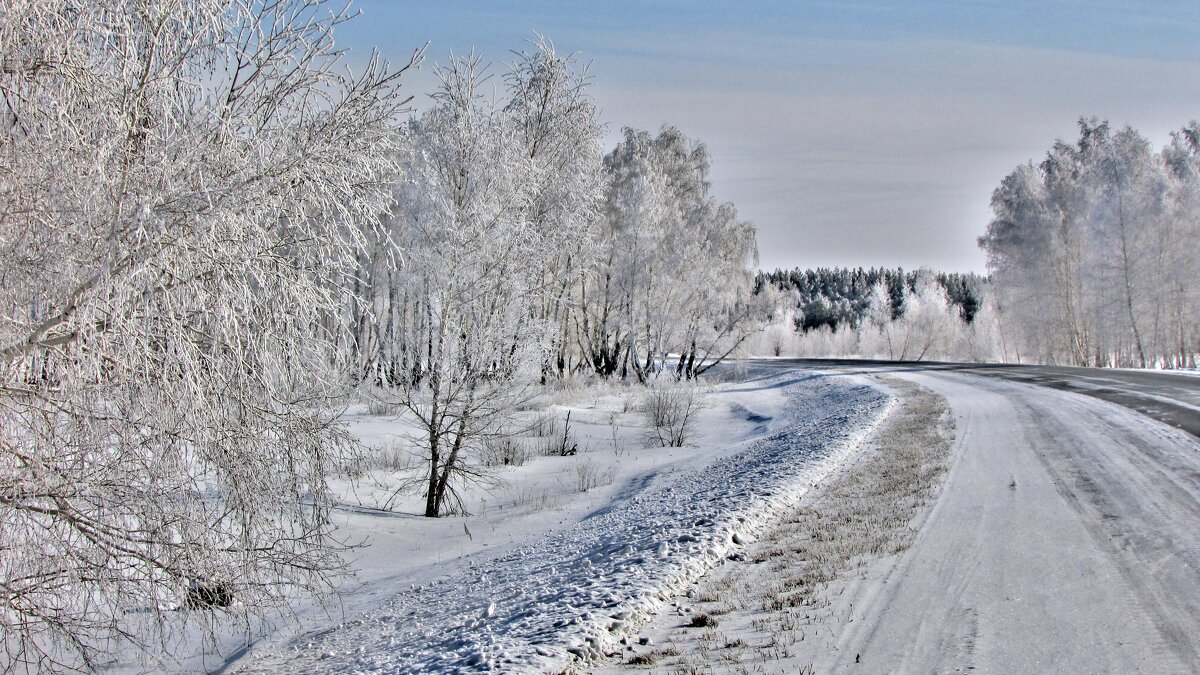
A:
[775,606]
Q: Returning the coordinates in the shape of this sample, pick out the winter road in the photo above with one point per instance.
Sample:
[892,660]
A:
[1066,537]
[1171,398]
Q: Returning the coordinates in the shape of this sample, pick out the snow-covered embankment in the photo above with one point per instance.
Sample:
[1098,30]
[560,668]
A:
[574,593]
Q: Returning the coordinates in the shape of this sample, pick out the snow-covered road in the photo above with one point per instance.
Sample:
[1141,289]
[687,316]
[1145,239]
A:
[1066,539]
[1169,396]
[570,593]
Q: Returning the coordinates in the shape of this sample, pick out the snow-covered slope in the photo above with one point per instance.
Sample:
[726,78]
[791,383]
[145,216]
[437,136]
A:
[571,593]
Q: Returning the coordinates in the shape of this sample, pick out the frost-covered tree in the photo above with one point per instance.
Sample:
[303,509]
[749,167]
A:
[464,233]
[610,300]
[558,133]
[928,324]
[880,317]
[1178,252]
[182,186]
[1090,251]
[495,218]
[674,270]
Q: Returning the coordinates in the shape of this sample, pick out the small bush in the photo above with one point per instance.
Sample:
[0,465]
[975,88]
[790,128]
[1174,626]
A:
[646,659]
[390,455]
[587,475]
[618,447]
[669,412]
[504,451]
[546,424]
[703,621]
[562,443]
[381,408]
[526,498]
[566,391]
[652,657]
[380,401]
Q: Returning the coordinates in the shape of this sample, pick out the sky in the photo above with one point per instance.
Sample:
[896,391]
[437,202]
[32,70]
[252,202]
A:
[851,133]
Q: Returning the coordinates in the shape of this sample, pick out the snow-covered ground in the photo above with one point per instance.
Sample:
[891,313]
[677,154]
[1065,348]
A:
[1066,538]
[779,606]
[548,575]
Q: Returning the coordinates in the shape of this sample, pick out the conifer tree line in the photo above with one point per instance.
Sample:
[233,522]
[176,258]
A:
[841,297]
[876,313]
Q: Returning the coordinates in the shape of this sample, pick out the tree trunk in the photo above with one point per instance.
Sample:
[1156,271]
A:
[431,501]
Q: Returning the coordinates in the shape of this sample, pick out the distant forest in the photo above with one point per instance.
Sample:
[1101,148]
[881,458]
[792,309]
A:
[1093,258]
[837,297]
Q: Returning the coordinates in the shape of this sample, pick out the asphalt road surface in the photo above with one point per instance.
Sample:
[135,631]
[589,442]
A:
[1171,398]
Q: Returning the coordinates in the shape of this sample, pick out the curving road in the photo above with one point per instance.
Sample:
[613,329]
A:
[1065,539]
[1169,397]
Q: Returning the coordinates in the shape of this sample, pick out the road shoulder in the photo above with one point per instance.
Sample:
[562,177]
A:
[783,603]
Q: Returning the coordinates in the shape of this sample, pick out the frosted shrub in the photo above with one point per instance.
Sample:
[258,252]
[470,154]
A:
[504,451]
[669,412]
[391,455]
[562,443]
[498,192]
[546,424]
[379,402]
[587,475]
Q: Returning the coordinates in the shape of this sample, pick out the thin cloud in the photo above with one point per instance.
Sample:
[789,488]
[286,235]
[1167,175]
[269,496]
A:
[864,134]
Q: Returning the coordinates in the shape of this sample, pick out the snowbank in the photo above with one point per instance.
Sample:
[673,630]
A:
[574,593]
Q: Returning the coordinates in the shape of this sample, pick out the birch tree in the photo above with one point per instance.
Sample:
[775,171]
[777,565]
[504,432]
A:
[1091,251]
[675,272]
[496,217]
[182,187]
[558,133]
[1180,250]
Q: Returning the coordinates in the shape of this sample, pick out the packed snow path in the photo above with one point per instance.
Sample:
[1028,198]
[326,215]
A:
[1067,539]
[570,594]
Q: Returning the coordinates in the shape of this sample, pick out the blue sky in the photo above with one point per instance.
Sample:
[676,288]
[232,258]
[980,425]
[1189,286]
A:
[851,133]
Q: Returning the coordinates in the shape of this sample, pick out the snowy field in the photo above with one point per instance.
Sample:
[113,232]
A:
[549,575]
